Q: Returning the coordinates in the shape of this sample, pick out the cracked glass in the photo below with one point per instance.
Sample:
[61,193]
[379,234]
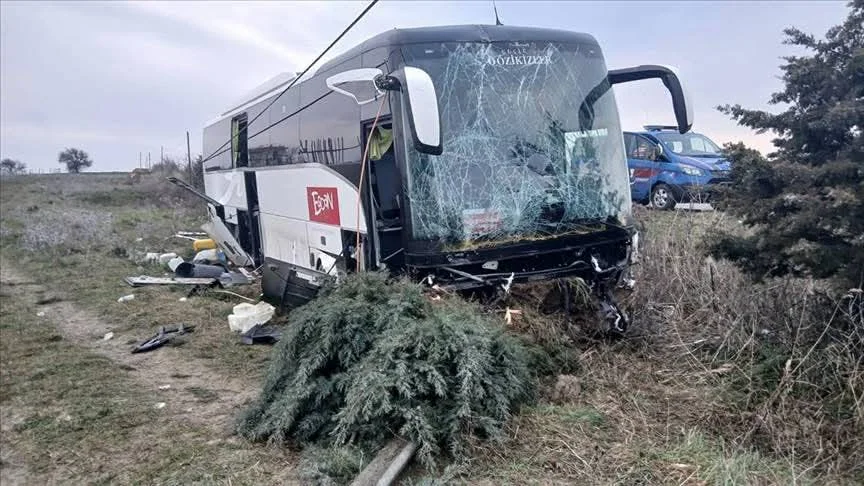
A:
[532,144]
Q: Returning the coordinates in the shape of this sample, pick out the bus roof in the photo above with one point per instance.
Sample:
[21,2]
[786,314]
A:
[420,35]
[461,33]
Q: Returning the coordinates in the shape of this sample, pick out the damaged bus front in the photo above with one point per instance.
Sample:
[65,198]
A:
[513,163]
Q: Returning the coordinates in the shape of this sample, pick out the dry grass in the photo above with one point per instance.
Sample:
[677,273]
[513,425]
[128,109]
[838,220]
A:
[721,381]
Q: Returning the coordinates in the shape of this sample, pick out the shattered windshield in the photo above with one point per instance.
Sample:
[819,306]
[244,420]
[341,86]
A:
[532,143]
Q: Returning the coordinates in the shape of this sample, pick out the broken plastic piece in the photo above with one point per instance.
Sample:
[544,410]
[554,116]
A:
[126,298]
[245,316]
[191,270]
[261,335]
[163,336]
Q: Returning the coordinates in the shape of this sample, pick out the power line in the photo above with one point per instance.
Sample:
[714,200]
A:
[268,127]
[294,81]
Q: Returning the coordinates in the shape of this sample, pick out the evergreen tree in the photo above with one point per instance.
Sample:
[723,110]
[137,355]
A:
[805,202]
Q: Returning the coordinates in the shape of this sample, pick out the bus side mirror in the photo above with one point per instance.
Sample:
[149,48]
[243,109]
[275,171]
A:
[358,84]
[421,105]
[669,76]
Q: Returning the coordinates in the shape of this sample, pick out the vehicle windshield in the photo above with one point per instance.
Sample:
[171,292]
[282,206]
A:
[690,144]
[532,143]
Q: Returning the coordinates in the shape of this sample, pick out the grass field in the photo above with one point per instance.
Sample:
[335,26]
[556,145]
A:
[721,381]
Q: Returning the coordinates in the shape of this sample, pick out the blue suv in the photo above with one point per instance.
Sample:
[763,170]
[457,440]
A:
[667,167]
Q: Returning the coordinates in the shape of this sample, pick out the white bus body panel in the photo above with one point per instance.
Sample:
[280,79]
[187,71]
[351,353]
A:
[227,187]
[303,209]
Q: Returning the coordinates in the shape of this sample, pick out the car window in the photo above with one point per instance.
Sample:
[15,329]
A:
[641,148]
[676,146]
[628,143]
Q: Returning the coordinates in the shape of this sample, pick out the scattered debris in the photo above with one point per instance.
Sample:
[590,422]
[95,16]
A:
[48,300]
[246,316]
[235,295]
[228,279]
[159,406]
[509,313]
[261,335]
[163,336]
[174,263]
[108,336]
[166,257]
[203,244]
[227,243]
[210,257]
[146,280]
[126,298]
[192,270]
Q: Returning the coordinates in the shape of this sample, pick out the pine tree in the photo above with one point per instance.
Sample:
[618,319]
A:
[805,202]
[369,359]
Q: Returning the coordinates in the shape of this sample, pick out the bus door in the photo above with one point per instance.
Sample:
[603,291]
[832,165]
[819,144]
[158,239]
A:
[386,190]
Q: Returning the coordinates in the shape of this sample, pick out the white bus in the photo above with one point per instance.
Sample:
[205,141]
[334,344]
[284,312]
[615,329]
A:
[497,157]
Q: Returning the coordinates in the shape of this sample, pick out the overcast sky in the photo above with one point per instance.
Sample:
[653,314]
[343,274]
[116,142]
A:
[116,79]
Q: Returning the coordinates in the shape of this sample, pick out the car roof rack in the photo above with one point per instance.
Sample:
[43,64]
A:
[658,128]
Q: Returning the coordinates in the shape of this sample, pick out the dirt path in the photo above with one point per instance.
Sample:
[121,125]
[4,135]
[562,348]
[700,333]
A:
[172,376]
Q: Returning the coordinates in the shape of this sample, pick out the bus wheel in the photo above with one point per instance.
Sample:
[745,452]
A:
[662,197]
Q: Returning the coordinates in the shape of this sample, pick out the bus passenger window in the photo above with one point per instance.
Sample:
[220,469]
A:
[239,141]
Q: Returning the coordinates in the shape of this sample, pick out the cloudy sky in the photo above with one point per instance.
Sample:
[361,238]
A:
[117,78]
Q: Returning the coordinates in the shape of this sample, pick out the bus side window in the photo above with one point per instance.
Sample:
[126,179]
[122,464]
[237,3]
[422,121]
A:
[239,141]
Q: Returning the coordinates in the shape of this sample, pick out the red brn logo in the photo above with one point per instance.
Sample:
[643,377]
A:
[323,205]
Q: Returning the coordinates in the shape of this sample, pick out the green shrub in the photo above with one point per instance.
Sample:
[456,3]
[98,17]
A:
[369,359]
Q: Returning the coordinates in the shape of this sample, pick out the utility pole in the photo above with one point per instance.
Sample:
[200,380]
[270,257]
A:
[162,158]
[149,165]
[139,159]
[189,157]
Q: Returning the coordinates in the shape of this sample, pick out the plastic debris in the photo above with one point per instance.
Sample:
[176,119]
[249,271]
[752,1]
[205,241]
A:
[261,335]
[163,336]
[182,299]
[166,257]
[245,316]
[174,263]
[40,314]
[204,244]
[108,336]
[126,298]
[210,257]
[165,387]
[159,406]
[146,280]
